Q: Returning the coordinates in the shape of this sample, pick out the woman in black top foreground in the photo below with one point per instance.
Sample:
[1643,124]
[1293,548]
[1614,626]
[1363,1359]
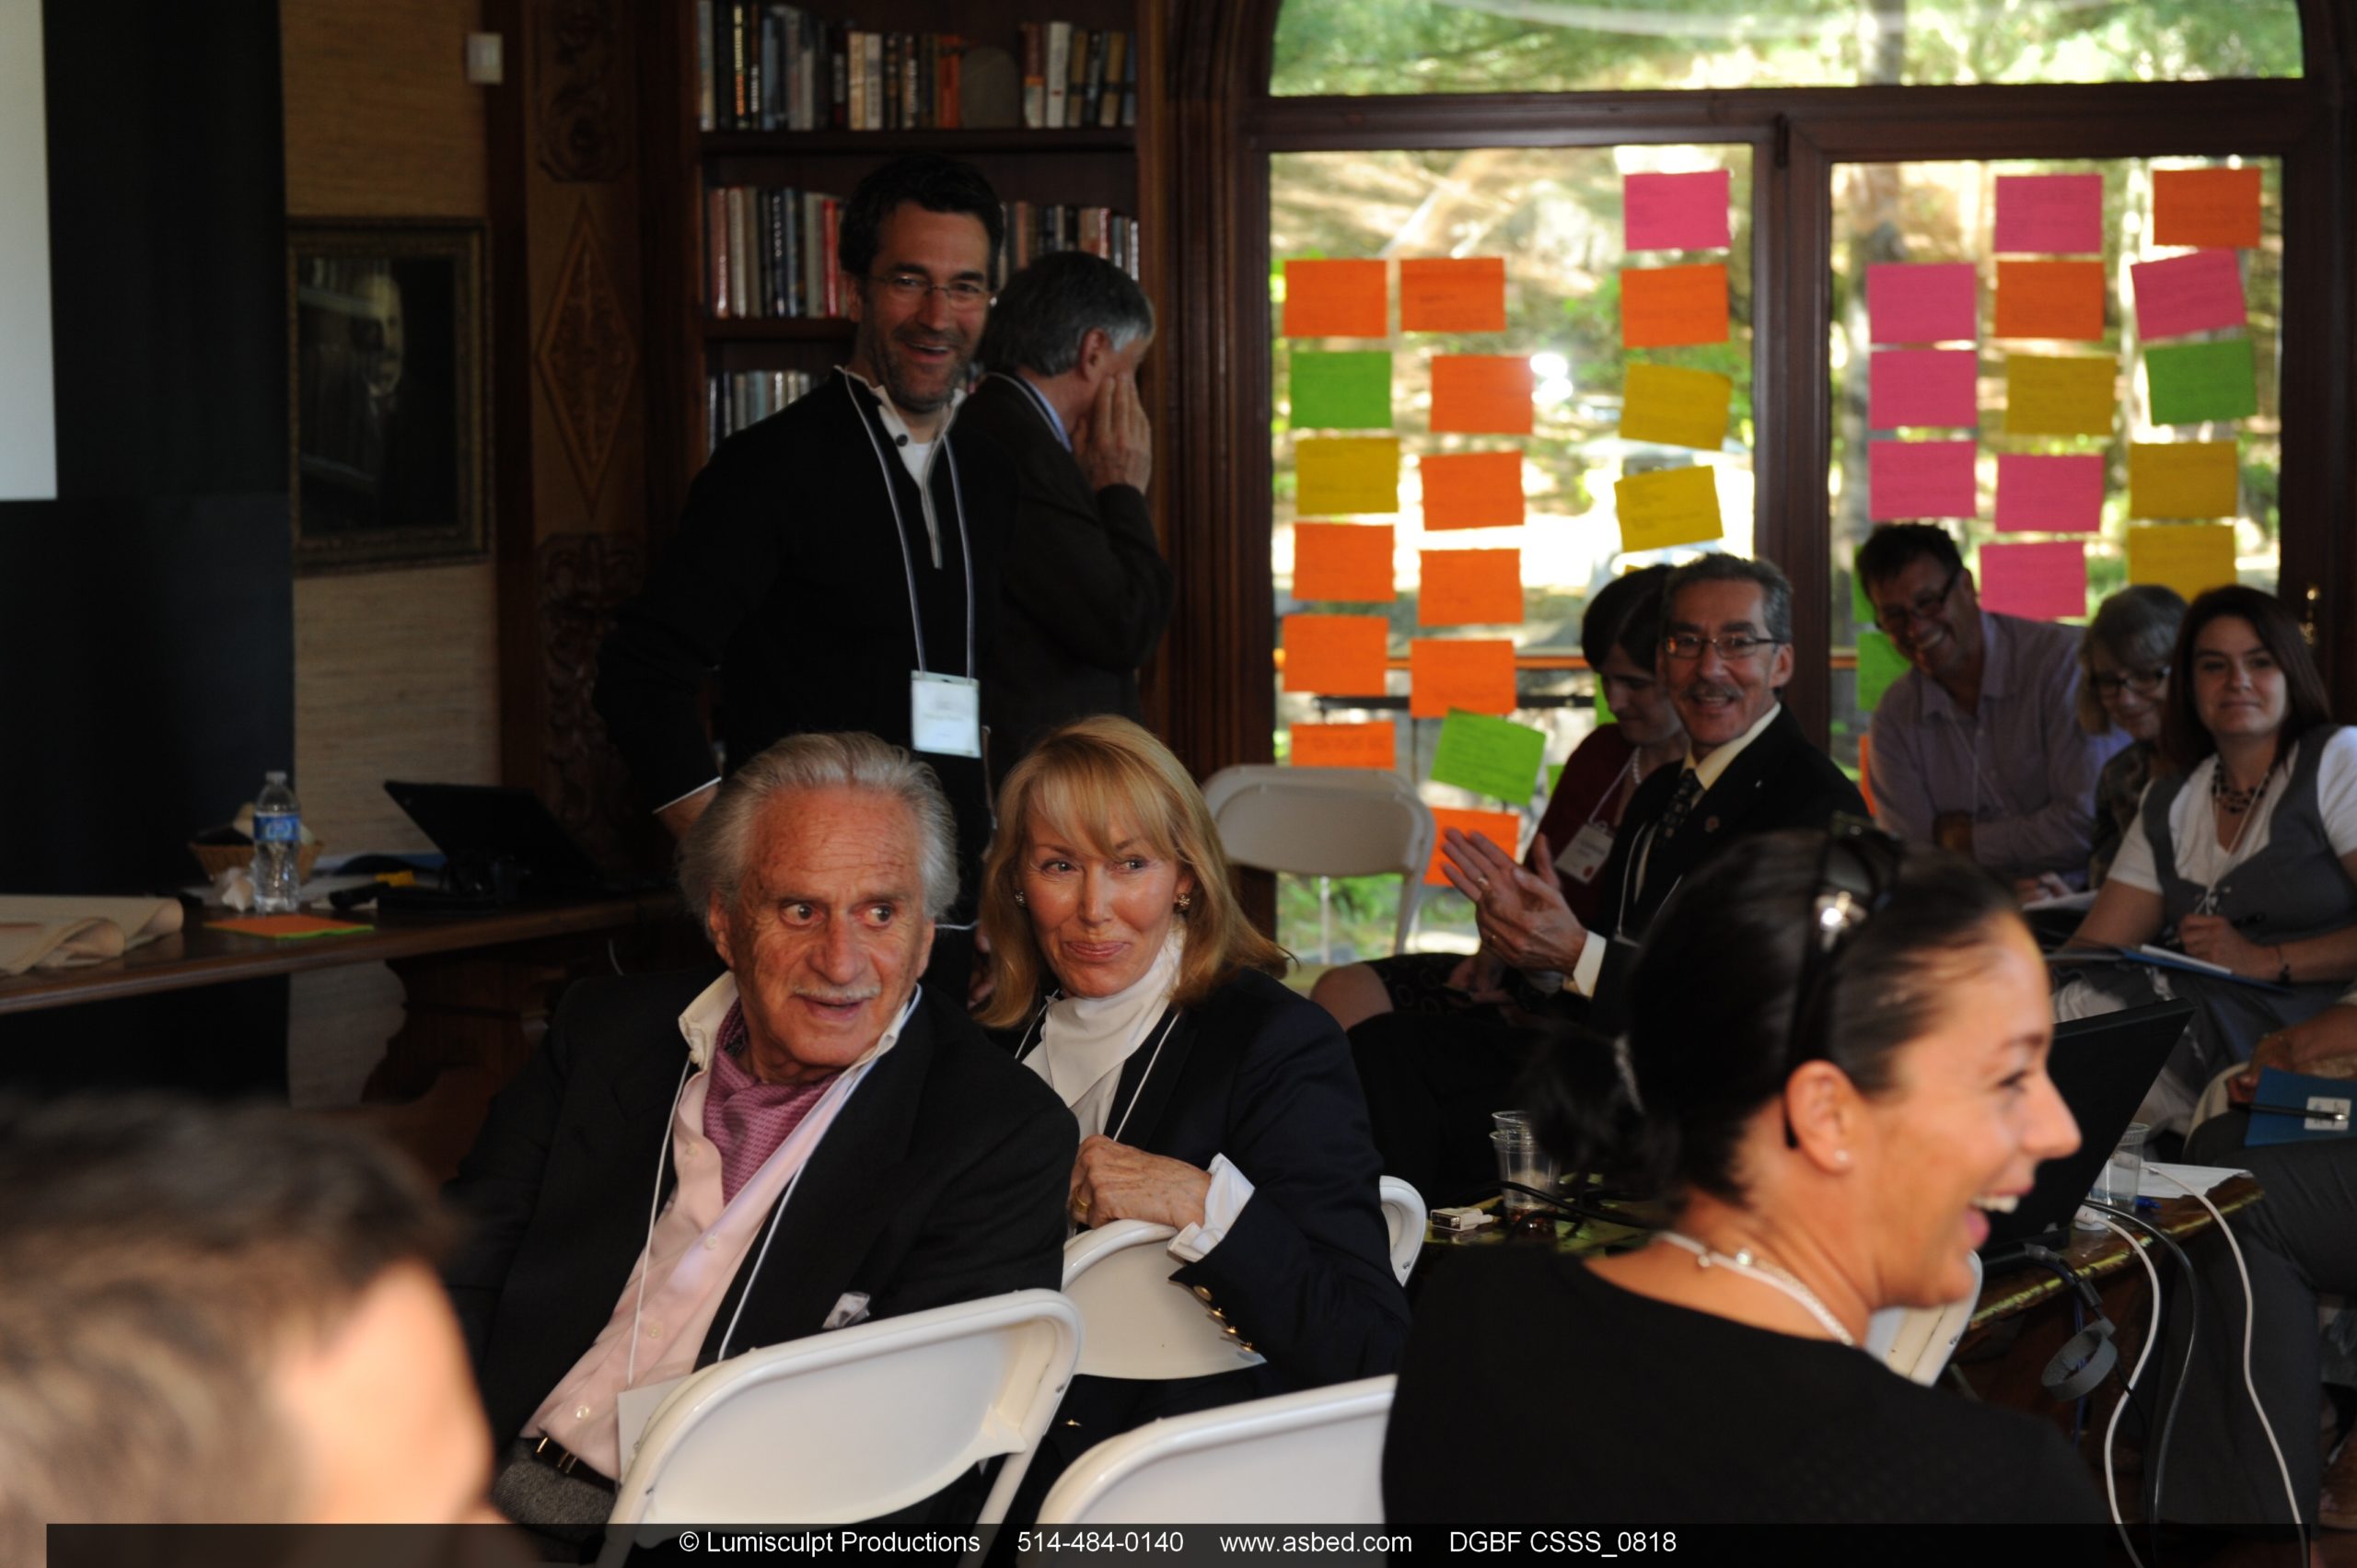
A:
[1837,1061]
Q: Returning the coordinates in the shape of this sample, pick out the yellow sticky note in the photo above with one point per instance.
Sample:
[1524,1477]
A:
[1341,474]
[2182,479]
[2060,395]
[2189,557]
[1672,506]
[1675,408]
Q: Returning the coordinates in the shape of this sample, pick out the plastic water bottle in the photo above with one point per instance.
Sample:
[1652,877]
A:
[278,843]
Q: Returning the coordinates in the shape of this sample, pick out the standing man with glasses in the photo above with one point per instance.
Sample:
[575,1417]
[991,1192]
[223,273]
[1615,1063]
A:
[837,564]
[1978,749]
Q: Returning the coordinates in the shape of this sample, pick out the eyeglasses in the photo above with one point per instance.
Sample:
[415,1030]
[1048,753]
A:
[1686,648]
[2144,682]
[1897,619]
[909,288]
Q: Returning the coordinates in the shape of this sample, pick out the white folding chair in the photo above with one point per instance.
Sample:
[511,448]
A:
[1403,1214]
[846,1426]
[1142,1324]
[1314,1458]
[1327,822]
[1916,1341]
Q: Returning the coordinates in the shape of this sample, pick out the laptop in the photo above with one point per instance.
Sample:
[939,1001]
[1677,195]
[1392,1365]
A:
[500,847]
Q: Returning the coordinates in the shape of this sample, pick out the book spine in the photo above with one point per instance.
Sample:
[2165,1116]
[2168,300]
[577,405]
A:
[713,432]
[716,245]
[952,81]
[1059,69]
[742,283]
[781,253]
[1130,83]
[789,245]
[828,248]
[856,51]
[764,69]
[1035,80]
[1077,78]
[738,117]
[707,97]
[1093,84]
[789,67]
[890,96]
[839,89]
[1117,56]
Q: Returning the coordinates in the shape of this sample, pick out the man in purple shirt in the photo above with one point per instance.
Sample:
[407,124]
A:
[1979,748]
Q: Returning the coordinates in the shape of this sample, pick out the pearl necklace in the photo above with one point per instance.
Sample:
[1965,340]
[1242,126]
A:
[1742,1262]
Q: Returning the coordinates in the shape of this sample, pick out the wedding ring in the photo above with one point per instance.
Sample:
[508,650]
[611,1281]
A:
[1481,882]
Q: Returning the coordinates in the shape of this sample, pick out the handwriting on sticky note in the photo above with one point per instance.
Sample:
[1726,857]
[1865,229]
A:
[1345,746]
[1489,756]
[1346,473]
[1472,673]
[1481,394]
[1471,490]
[1670,506]
[2206,206]
[1340,656]
[2198,293]
[1907,479]
[1336,299]
[1675,212]
[1880,667]
[1342,391]
[2189,557]
[2048,494]
[2037,582]
[2060,395]
[2194,383]
[1675,408]
[2183,479]
[2051,212]
[1453,293]
[1663,307]
[1342,561]
[2058,300]
[1502,829]
[1923,302]
[1923,387]
[1470,588]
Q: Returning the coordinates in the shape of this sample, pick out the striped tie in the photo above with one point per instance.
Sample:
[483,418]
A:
[1681,801]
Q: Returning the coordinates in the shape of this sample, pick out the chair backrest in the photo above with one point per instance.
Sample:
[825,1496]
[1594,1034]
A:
[1326,822]
[1140,1323]
[1916,1341]
[1312,1459]
[1403,1214]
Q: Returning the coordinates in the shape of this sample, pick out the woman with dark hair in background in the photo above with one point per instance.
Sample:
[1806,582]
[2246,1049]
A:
[2123,684]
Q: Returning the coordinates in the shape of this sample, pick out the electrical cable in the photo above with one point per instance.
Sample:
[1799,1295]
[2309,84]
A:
[2157,1469]
[2110,1479]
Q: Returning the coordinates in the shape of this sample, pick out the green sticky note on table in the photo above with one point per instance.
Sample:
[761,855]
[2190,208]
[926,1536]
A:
[2191,383]
[1342,391]
[1489,756]
[1879,665]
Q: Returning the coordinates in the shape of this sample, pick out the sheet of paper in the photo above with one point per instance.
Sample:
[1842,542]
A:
[2057,300]
[1489,756]
[1923,302]
[1481,394]
[1470,588]
[1907,479]
[1336,299]
[2052,214]
[1346,473]
[1472,673]
[2048,494]
[1349,390]
[2194,383]
[1663,307]
[2060,395]
[1337,656]
[1351,562]
[1502,829]
[2201,292]
[1880,666]
[1937,387]
[2183,479]
[1675,212]
[1674,407]
[1669,506]
[2206,206]
[1372,745]
[1453,293]
[2037,582]
[2187,557]
[1471,490]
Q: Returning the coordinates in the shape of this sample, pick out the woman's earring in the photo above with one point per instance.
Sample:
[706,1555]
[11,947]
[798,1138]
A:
[1018,895]
[1184,900]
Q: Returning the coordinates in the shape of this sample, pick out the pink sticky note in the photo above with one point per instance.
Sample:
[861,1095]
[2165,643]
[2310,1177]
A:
[2048,214]
[2198,293]
[2039,582]
[2048,494]
[1907,479]
[1675,212]
[1924,385]
[1932,302]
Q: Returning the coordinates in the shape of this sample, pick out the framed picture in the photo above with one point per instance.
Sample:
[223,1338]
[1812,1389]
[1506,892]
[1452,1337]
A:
[384,333]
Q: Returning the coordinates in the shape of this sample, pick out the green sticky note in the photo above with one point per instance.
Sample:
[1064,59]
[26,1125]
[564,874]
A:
[1342,391]
[2194,382]
[1603,708]
[1554,779]
[1879,664]
[1862,610]
[1489,756]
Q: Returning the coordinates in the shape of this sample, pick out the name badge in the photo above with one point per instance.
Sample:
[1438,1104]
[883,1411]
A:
[944,714]
[1585,854]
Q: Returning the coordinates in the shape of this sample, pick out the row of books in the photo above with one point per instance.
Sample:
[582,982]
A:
[735,398]
[1077,76]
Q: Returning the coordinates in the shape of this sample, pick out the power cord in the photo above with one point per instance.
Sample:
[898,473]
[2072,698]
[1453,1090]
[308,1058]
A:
[2111,1480]
[2160,1458]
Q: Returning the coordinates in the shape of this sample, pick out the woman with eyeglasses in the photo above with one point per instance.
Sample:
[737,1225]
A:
[2124,682]
[1829,1126]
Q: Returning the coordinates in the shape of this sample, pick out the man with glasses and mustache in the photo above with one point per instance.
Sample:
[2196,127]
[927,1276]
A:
[1979,748]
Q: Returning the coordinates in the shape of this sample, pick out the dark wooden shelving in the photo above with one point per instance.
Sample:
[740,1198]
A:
[879,144]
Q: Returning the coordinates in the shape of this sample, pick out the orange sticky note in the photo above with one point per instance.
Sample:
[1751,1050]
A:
[1473,490]
[1345,746]
[1344,560]
[1472,673]
[1662,306]
[2050,299]
[1502,829]
[1336,299]
[1481,394]
[1453,294]
[1338,654]
[1470,587]
[2205,206]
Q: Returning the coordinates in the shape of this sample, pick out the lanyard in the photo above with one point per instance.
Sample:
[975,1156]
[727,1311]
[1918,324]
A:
[900,530]
[1169,1022]
[1612,793]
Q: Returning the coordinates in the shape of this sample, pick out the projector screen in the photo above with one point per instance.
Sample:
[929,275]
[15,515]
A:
[28,403]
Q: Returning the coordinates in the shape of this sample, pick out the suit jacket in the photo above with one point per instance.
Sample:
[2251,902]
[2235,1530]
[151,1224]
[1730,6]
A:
[942,1179]
[1085,590]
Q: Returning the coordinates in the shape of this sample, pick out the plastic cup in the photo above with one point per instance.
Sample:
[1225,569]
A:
[1522,1159]
[2125,1170]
